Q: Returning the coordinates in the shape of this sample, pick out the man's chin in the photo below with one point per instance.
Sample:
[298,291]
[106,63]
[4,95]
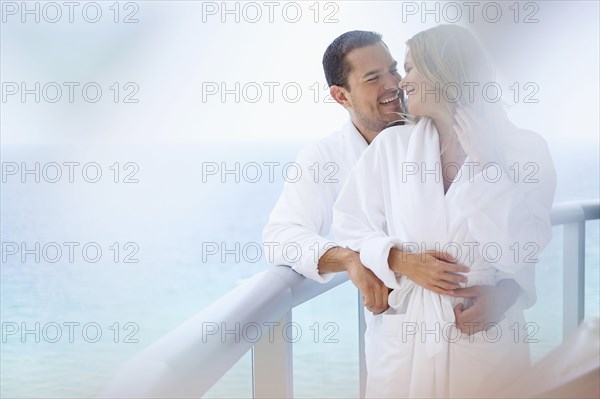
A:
[397,123]
[391,114]
[395,120]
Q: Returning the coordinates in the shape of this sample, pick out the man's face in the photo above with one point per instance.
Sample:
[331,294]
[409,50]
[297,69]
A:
[373,83]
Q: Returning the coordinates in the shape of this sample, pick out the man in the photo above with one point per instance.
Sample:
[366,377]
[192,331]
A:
[363,78]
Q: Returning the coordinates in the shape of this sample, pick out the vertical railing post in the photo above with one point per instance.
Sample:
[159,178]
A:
[362,363]
[272,362]
[573,276]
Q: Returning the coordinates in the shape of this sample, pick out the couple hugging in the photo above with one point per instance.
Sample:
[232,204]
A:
[441,255]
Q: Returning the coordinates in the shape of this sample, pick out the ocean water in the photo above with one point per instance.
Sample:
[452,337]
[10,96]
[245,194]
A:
[154,272]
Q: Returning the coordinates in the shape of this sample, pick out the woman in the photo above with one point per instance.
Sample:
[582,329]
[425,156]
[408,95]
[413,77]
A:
[464,180]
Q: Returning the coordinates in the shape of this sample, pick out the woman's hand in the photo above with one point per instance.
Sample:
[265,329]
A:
[433,270]
[475,136]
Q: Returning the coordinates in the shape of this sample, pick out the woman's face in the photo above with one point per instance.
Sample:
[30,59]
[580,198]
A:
[422,98]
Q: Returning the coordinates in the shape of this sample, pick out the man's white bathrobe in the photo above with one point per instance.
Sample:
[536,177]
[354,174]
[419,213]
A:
[495,224]
[301,218]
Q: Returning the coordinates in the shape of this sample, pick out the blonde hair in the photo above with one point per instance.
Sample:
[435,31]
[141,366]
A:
[449,57]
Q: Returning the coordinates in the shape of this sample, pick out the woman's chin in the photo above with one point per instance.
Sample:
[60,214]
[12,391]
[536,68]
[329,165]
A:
[415,110]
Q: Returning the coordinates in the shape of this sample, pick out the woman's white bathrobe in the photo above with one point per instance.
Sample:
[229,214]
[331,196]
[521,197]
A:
[495,221]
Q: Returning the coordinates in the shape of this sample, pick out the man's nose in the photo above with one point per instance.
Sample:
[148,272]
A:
[392,82]
[402,83]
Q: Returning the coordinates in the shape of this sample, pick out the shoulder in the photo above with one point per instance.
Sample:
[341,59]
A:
[527,138]
[528,145]
[323,149]
[529,152]
[388,146]
[394,133]
[392,140]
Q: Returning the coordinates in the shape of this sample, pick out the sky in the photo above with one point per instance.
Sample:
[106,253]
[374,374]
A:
[109,76]
[192,72]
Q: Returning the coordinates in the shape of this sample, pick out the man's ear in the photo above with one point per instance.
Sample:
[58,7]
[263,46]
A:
[340,95]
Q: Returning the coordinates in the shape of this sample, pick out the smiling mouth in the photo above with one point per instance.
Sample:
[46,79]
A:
[390,99]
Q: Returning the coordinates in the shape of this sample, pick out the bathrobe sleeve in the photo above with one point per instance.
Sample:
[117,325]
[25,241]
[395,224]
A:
[295,232]
[525,278]
[508,213]
[359,221]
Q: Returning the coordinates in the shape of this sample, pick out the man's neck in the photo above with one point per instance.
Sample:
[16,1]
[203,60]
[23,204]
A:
[368,135]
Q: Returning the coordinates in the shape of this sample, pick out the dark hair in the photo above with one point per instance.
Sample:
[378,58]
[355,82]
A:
[334,60]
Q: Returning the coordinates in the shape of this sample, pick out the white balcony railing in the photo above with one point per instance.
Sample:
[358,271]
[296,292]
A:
[189,360]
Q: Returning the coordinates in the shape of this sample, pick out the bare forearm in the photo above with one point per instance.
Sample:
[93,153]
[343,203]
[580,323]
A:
[397,260]
[435,271]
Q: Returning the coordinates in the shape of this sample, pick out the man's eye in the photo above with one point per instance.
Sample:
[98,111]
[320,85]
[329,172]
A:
[374,78]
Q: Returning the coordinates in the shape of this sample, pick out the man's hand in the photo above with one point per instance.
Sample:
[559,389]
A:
[489,305]
[374,292]
[435,271]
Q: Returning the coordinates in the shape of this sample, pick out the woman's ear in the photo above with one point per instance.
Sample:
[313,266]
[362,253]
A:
[340,95]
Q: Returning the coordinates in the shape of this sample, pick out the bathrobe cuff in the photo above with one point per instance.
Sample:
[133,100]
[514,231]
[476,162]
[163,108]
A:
[374,255]
[308,265]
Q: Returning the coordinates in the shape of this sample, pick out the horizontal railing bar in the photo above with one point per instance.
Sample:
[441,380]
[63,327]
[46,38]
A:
[575,211]
[183,363]
[186,362]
